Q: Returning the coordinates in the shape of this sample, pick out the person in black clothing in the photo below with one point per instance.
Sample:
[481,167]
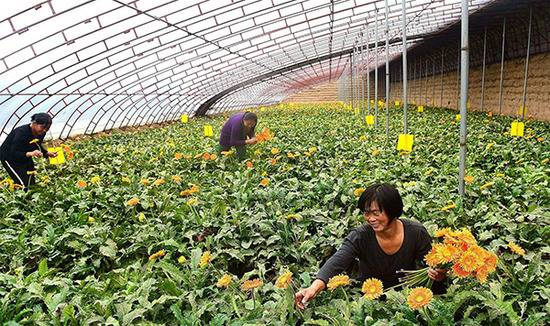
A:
[383,246]
[22,144]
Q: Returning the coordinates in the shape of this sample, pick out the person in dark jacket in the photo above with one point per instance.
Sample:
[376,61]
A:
[22,144]
[238,131]
[383,246]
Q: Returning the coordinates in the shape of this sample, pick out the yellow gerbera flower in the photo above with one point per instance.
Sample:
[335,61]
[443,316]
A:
[192,201]
[337,281]
[144,182]
[419,297]
[182,259]
[34,141]
[126,180]
[284,280]
[141,217]
[516,249]
[275,151]
[251,284]
[448,207]
[357,192]
[372,288]
[176,178]
[159,182]
[224,281]
[205,259]
[95,179]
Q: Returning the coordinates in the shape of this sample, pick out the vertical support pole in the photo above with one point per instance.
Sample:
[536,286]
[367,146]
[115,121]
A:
[483,69]
[413,82]
[464,72]
[368,72]
[442,68]
[352,90]
[361,75]
[387,75]
[376,71]
[458,78]
[501,66]
[526,65]
[426,78]
[404,55]
[420,81]
[433,82]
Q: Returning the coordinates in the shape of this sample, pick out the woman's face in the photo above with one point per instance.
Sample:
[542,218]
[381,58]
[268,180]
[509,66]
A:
[249,124]
[38,129]
[377,219]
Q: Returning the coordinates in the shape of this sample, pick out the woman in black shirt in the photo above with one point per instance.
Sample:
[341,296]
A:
[383,246]
[22,144]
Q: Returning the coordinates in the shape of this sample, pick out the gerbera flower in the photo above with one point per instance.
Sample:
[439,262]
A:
[264,182]
[133,202]
[251,284]
[357,192]
[516,249]
[157,254]
[372,288]
[337,281]
[471,260]
[275,151]
[81,184]
[419,297]
[224,281]
[205,259]
[284,280]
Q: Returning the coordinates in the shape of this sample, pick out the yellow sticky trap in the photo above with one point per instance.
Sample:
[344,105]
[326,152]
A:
[420,108]
[60,158]
[184,118]
[517,129]
[208,132]
[522,110]
[405,142]
[457,118]
[397,103]
[369,119]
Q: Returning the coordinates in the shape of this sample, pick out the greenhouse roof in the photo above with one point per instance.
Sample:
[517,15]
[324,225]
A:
[103,64]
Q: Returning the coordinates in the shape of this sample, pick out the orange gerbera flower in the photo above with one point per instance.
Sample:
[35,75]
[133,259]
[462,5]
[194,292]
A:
[337,281]
[419,297]
[206,156]
[157,254]
[264,135]
[81,184]
[372,288]
[469,179]
[249,164]
[178,156]
[251,284]
[264,182]
[133,202]
[459,272]
[471,259]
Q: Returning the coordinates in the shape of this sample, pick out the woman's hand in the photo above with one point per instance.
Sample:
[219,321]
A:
[251,141]
[437,275]
[35,153]
[305,295]
[52,154]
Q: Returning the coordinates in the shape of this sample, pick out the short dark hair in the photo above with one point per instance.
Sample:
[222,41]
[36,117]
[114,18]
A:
[42,119]
[250,116]
[386,196]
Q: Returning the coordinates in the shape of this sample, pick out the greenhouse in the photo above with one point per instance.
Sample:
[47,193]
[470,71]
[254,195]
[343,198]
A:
[275,162]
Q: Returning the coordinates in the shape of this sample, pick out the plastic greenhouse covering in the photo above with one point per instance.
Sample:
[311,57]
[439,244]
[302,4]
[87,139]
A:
[104,64]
